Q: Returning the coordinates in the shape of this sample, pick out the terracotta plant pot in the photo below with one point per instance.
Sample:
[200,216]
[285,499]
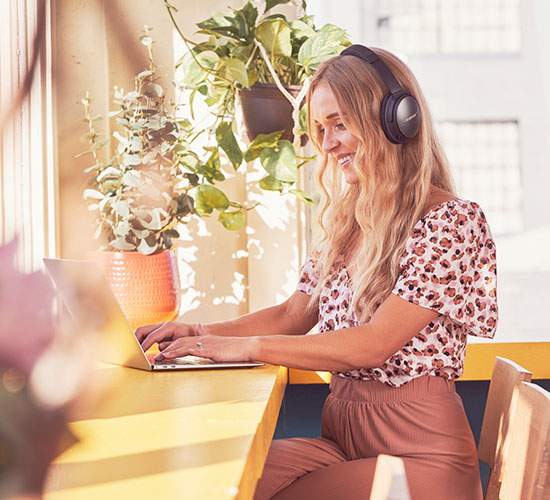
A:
[266,110]
[147,287]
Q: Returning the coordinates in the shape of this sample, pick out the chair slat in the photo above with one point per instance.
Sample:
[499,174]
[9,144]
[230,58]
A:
[506,376]
[524,468]
[390,481]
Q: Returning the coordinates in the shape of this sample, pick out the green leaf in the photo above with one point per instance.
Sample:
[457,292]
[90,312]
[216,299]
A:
[281,163]
[262,141]
[233,220]
[236,70]
[301,30]
[269,183]
[302,196]
[227,141]
[194,73]
[274,34]
[272,3]
[209,198]
[325,44]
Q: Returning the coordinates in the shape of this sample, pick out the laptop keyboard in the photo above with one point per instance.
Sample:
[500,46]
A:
[183,360]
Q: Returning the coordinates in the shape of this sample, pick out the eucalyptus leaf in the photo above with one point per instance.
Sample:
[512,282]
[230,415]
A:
[122,208]
[122,228]
[227,141]
[144,74]
[274,35]
[109,172]
[120,243]
[131,159]
[93,194]
[281,163]
[131,178]
[145,249]
[233,220]
[154,220]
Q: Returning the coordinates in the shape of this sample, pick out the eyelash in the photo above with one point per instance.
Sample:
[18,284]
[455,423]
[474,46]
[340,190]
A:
[339,126]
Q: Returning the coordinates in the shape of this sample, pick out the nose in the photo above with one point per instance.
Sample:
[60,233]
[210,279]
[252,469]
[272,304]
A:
[330,142]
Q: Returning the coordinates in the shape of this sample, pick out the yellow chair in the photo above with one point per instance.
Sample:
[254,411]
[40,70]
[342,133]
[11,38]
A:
[390,481]
[506,377]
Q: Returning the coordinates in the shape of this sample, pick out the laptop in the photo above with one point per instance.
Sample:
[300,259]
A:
[93,306]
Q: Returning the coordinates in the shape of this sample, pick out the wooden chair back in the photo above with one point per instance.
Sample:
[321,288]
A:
[506,376]
[521,472]
[390,481]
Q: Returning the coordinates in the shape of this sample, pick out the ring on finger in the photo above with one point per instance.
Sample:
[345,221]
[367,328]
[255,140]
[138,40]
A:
[199,345]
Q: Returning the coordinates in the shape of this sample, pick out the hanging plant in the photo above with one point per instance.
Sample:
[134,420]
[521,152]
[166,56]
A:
[254,45]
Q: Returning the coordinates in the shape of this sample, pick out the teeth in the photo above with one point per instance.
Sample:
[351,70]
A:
[344,159]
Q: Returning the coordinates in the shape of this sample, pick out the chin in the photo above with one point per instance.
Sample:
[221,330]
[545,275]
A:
[351,178]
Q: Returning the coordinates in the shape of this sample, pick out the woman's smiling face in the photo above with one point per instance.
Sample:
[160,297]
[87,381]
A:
[336,140]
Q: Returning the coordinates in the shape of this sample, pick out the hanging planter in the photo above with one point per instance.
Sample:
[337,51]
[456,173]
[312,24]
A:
[147,287]
[267,110]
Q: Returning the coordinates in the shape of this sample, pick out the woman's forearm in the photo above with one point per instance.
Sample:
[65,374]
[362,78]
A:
[341,350]
[289,318]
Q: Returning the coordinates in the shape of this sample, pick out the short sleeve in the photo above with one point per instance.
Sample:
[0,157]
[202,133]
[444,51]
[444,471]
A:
[308,276]
[449,266]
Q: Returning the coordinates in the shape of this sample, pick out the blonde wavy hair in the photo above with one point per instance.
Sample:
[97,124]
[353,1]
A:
[365,225]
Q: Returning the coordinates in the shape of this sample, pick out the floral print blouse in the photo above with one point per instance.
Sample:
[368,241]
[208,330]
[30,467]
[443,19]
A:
[448,265]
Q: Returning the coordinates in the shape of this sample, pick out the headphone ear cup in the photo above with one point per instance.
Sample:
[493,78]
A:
[400,117]
[386,119]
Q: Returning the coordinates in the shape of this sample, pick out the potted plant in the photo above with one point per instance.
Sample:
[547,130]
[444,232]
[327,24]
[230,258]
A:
[256,56]
[152,183]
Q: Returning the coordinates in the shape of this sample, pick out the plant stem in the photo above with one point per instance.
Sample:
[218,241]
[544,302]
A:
[190,42]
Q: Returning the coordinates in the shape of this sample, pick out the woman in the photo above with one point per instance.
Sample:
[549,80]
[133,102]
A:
[405,271]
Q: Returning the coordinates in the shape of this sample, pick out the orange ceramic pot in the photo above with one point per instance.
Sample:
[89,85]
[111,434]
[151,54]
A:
[147,287]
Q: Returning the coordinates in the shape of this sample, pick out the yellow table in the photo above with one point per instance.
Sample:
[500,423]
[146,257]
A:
[196,435]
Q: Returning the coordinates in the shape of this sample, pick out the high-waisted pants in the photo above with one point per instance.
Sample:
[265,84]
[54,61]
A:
[423,422]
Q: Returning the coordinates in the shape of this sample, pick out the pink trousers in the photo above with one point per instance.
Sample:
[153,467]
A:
[423,422]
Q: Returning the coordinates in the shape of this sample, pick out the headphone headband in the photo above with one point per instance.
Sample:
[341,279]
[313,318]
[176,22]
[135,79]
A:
[372,58]
[399,110]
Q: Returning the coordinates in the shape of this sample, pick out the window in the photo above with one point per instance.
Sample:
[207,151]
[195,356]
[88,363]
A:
[27,205]
[449,26]
[485,161]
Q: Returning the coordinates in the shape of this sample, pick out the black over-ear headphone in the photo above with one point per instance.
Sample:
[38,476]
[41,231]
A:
[399,111]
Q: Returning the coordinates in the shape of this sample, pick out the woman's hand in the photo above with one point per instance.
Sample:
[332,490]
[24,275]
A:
[211,346]
[164,334]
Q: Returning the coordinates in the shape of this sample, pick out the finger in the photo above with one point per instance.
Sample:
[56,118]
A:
[163,333]
[178,348]
[143,331]
[164,345]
